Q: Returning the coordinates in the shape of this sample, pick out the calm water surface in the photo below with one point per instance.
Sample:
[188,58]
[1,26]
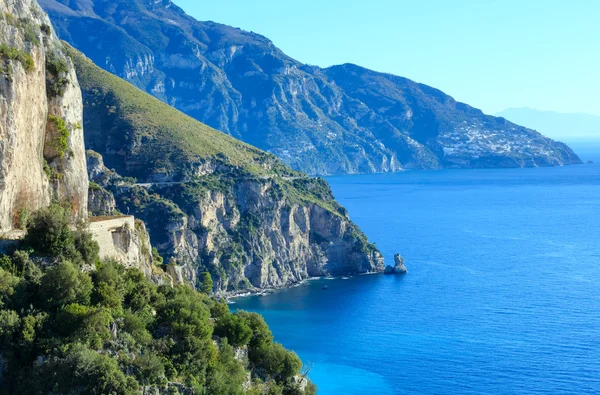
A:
[502,294]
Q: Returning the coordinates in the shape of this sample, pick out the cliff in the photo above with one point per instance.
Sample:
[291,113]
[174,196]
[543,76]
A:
[343,119]
[253,234]
[211,202]
[42,154]
[41,141]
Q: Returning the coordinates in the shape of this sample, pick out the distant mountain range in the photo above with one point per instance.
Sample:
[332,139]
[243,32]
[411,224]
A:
[563,126]
[342,119]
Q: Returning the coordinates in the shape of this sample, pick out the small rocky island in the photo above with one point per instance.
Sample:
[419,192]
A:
[398,268]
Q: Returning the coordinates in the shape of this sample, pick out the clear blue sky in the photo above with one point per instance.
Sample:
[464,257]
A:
[492,54]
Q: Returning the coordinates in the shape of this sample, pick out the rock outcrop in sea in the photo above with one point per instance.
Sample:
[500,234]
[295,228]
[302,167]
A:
[398,268]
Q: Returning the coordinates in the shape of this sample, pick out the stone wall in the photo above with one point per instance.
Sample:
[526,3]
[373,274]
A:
[114,236]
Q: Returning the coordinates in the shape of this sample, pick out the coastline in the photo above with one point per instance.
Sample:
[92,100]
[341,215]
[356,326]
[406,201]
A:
[230,297]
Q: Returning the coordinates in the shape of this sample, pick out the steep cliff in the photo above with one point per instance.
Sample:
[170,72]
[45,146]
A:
[343,119]
[252,233]
[211,202]
[41,140]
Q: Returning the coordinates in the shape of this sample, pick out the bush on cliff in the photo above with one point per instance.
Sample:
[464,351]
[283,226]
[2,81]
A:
[49,233]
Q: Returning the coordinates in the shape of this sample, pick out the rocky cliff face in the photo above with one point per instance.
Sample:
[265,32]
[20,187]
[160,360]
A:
[344,119]
[250,236]
[41,139]
[249,233]
[210,202]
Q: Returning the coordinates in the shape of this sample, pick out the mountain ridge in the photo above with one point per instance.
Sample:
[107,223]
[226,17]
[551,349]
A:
[242,84]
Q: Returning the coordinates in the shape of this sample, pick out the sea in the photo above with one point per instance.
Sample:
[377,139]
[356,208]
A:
[502,294]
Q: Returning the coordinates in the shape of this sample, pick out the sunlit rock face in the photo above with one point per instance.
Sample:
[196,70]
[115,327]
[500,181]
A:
[42,154]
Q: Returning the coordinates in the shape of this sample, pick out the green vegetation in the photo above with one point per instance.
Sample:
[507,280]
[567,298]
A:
[23,218]
[60,138]
[57,70]
[46,29]
[51,173]
[157,259]
[173,142]
[153,209]
[29,31]
[11,53]
[206,283]
[118,331]
[49,234]
[310,191]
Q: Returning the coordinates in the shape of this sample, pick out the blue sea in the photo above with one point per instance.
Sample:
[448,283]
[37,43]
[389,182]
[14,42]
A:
[502,294]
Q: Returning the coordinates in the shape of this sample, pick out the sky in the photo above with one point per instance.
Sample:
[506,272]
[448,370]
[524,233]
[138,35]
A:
[491,54]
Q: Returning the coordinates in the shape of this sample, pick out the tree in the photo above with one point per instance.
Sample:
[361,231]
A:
[86,246]
[49,233]
[96,374]
[207,283]
[235,329]
[64,284]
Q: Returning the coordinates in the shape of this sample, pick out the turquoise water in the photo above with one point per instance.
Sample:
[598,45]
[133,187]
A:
[502,294]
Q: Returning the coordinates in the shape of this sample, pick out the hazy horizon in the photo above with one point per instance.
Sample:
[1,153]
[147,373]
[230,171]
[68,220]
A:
[568,127]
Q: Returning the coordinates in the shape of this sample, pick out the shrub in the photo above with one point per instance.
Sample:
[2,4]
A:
[57,70]
[60,140]
[49,233]
[86,246]
[63,284]
[29,32]
[12,53]
[46,29]
[96,374]
[235,329]
[157,259]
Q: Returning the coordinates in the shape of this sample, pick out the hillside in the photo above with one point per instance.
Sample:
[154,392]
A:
[345,119]
[210,202]
[151,139]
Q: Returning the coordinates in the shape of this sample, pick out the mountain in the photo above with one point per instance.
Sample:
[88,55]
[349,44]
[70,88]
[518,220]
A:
[564,126]
[343,119]
[211,202]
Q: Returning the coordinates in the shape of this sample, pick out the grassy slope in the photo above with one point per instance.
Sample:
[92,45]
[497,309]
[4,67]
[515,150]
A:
[162,127]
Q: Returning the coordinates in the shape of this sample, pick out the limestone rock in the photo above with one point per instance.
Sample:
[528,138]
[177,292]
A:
[399,267]
[252,239]
[100,201]
[39,159]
